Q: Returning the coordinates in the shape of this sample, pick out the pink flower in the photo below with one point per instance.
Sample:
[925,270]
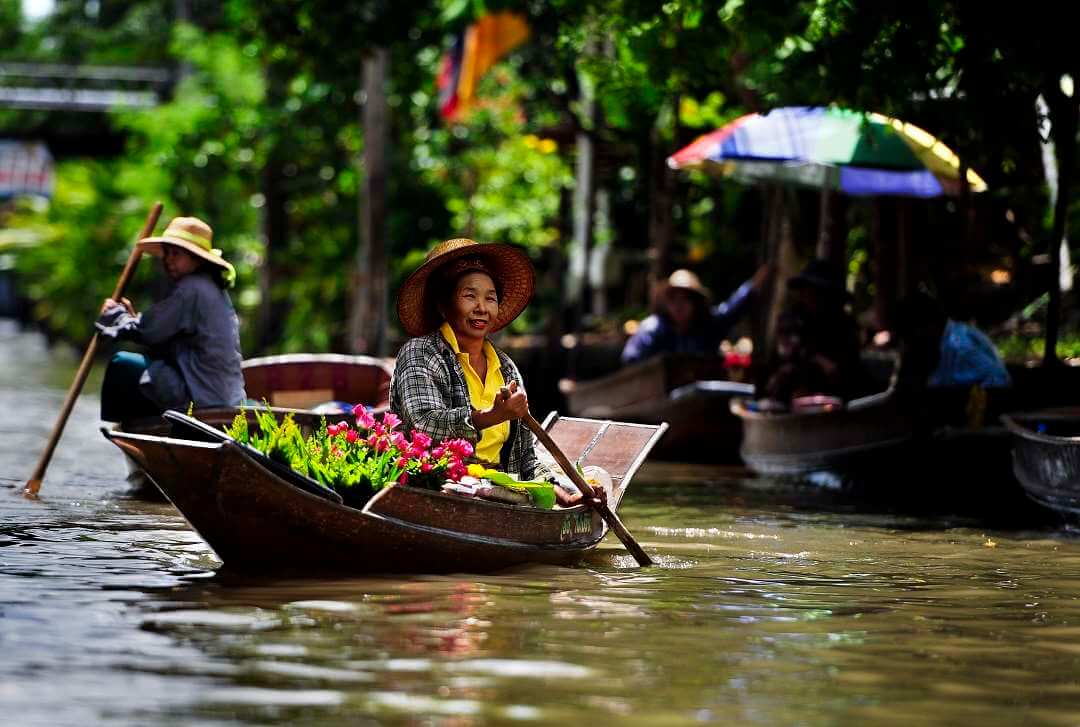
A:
[380,444]
[401,463]
[462,448]
[364,420]
[438,452]
[420,440]
[425,467]
[390,420]
[457,472]
[399,441]
[378,429]
[351,436]
[403,478]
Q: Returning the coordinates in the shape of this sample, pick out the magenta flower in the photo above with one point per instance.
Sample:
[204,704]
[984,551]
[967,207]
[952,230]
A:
[351,436]
[438,452]
[403,478]
[420,440]
[399,441]
[380,444]
[425,467]
[462,448]
[364,420]
[390,420]
[401,463]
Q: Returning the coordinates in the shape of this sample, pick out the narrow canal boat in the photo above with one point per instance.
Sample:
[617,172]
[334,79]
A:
[310,386]
[691,393]
[258,515]
[1046,458]
[829,437]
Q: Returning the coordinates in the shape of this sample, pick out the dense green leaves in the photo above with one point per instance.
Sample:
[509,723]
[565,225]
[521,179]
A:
[261,136]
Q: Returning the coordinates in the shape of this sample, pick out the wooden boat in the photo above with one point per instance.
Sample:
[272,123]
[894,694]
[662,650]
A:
[835,440]
[688,392]
[257,515]
[1046,458]
[948,458]
[291,383]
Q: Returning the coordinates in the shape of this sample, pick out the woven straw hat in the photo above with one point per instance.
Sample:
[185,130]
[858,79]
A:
[193,235]
[508,266]
[686,280]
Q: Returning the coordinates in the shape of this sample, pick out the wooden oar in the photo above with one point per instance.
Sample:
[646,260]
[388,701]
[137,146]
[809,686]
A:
[587,495]
[34,483]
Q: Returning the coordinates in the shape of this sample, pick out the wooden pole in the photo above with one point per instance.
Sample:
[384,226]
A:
[587,496]
[33,485]
[367,327]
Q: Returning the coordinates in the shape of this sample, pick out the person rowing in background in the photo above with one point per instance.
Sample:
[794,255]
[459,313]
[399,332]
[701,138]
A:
[192,336]
[684,321]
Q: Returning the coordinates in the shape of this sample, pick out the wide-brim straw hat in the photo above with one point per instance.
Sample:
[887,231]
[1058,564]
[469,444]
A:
[509,267]
[685,280]
[193,235]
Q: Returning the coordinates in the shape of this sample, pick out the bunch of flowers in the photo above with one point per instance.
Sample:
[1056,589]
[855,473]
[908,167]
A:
[358,461]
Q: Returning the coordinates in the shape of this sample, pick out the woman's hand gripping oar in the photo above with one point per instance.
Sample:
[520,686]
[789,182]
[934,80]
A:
[34,483]
[591,500]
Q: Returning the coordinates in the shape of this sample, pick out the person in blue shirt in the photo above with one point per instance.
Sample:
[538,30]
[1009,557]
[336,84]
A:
[941,352]
[685,322]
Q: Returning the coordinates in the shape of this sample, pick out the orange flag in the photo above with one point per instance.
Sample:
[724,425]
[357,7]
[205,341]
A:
[474,52]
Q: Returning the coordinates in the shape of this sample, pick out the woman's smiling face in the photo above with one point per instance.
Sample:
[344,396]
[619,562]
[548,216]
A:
[473,306]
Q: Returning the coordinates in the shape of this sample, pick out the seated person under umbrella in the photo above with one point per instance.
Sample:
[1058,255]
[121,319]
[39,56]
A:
[817,340]
[941,352]
[684,322]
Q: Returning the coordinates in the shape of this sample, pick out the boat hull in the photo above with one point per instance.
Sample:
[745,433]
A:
[685,391]
[254,519]
[840,440]
[1047,463]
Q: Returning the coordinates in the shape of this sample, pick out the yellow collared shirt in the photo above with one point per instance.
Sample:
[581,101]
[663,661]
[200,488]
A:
[482,394]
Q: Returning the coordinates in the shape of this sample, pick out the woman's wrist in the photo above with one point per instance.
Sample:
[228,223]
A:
[484,418]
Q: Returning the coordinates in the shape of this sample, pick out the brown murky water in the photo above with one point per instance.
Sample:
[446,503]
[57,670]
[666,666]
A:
[767,608]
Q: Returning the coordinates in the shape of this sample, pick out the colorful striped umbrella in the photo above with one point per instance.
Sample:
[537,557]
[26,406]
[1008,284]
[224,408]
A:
[852,152]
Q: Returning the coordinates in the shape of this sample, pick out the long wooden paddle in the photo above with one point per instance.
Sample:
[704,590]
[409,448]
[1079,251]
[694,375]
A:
[587,496]
[34,483]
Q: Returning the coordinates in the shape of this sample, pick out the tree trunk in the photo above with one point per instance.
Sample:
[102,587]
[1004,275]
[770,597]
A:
[832,228]
[661,201]
[1063,119]
[367,327]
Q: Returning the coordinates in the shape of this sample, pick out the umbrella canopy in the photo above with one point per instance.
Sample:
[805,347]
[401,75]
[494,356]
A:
[851,152]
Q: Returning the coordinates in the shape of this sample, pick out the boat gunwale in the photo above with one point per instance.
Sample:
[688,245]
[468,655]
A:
[864,404]
[1013,423]
[482,504]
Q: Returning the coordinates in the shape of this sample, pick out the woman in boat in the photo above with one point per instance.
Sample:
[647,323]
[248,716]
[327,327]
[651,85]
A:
[684,321]
[449,380]
[942,352]
[817,349]
[192,335]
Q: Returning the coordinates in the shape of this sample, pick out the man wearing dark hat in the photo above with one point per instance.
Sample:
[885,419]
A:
[817,341]
[685,323]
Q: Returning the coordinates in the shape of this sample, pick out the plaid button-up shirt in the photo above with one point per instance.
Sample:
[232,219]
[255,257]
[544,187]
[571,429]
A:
[429,393]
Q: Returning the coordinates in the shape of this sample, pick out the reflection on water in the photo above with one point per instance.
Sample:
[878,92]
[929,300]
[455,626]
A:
[767,607]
